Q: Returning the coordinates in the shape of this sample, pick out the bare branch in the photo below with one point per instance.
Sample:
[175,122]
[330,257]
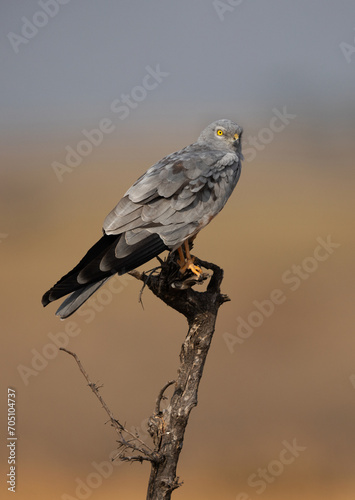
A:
[120,429]
[161,396]
[167,426]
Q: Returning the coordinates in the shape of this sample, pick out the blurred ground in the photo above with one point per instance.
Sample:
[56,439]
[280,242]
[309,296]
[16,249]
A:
[290,379]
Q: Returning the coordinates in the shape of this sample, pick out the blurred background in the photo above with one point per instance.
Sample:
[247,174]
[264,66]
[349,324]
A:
[92,95]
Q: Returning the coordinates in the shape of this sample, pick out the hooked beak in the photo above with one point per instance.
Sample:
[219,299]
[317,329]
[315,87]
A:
[237,139]
[237,143]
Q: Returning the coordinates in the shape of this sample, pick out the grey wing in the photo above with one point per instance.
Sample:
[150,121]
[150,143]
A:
[175,198]
[170,203]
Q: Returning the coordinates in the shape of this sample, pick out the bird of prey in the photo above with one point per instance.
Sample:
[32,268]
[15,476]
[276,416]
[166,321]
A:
[163,210]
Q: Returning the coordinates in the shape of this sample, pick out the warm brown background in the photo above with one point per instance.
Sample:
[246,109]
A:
[294,377]
[290,379]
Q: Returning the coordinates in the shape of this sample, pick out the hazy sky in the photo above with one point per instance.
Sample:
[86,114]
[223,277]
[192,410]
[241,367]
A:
[221,59]
[181,65]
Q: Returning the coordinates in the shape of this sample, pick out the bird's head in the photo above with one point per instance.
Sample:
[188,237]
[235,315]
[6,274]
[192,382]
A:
[222,134]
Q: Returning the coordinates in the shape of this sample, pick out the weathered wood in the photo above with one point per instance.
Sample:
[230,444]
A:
[167,427]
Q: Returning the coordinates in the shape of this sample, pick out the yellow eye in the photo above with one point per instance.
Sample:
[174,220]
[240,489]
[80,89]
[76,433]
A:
[219,132]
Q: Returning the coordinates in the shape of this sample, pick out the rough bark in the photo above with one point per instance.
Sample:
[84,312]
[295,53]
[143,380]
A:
[167,427]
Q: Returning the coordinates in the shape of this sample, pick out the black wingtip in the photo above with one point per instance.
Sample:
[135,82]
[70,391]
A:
[45,299]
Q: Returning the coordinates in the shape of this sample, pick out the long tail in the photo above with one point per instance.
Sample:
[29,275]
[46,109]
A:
[77,299]
[98,265]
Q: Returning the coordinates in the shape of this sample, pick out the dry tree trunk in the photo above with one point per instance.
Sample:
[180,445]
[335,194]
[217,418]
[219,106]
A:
[167,427]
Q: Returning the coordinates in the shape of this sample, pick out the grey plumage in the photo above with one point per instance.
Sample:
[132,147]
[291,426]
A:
[169,204]
[77,298]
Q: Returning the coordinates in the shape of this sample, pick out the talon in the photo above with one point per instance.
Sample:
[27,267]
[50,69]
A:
[195,269]
[187,263]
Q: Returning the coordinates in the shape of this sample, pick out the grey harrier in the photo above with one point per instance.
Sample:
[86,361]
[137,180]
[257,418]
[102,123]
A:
[163,210]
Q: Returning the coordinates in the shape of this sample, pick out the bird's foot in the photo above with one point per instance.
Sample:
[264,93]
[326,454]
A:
[189,264]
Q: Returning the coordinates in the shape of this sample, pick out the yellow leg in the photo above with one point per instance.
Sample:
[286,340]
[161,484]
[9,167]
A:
[181,260]
[189,262]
